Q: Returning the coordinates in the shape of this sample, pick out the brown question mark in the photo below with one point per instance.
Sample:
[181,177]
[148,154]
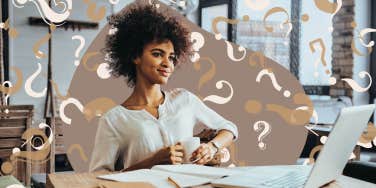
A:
[294,117]
[57,90]
[85,59]
[12,32]
[260,59]
[80,150]
[275,10]
[15,88]
[332,80]
[39,54]
[326,6]
[98,107]
[218,19]
[218,36]
[40,156]
[207,76]
[92,14]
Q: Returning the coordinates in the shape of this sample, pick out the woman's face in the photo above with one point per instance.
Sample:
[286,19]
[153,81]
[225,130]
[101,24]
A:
[156,63]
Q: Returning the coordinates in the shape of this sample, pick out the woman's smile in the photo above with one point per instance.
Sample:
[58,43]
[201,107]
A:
[164,73]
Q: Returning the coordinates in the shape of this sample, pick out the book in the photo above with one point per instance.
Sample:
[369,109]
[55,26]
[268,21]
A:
[167,176]
[198,170]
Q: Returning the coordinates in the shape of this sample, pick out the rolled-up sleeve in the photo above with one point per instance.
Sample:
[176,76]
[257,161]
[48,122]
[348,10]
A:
[209,117]
[106,147]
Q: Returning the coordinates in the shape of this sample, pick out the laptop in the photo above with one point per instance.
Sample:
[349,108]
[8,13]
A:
[350,124]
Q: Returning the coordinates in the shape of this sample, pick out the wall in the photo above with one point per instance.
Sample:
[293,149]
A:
[63,50]
[343,58]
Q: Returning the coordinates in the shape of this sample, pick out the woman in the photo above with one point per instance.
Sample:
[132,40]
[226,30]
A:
[146,128]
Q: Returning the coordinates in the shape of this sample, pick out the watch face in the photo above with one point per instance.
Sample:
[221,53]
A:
[225,155]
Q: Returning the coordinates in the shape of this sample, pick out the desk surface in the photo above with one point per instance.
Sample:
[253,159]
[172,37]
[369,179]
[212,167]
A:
[89,180]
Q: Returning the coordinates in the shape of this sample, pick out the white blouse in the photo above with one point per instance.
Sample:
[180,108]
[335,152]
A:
[134,135]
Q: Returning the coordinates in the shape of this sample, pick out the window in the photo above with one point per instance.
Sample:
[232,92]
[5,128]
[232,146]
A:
[209,9]
[253,34]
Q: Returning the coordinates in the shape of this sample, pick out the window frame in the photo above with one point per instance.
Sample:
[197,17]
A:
[4,17]
[230,13]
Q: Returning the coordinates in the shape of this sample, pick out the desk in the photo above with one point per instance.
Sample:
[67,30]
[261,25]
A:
[88,180]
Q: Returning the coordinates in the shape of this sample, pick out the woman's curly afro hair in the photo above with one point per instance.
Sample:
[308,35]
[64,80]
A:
[136,27]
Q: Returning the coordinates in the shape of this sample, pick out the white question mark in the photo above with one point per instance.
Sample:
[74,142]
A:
[28,82]
[316,73]
[114,2]
[265,131]
[64,103]
[355,86]
[225,153]
[361,37]
[198,42]
[257,4]
[332,80]
[219,99]
[82,44]
[50,138]
[271,75]
[339,5]
[103,71]
[7,95]
[230,51]
[288,31]
[46,12]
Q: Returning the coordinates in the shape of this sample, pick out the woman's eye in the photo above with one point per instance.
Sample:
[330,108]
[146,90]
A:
[157,54]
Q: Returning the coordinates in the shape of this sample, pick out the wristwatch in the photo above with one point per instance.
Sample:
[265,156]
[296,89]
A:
[216,145]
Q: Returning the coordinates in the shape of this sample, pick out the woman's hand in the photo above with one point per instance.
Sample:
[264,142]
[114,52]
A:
[203,154]
[169,155]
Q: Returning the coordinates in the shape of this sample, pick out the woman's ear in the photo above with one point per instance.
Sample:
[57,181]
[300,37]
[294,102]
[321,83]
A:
[137,61]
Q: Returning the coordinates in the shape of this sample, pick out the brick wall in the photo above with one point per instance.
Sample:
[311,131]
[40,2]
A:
[342,56]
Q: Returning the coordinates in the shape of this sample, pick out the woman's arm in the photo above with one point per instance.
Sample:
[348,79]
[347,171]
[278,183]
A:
[106,148]
[224,138]
[227,131]
[168,155]
[146,163]
[206,151]
[209,117]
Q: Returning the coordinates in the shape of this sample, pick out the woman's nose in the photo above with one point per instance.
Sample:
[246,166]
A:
[166,62]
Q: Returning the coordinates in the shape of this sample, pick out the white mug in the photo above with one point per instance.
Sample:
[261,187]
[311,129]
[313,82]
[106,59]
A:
[190,145]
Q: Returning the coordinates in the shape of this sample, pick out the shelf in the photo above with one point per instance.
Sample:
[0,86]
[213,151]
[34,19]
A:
[74,24]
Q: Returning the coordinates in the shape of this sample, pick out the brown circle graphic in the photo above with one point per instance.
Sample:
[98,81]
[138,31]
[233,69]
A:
[7,167]
[223,70]
[305,17]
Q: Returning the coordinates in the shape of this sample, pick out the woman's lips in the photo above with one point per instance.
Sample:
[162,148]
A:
[164,73]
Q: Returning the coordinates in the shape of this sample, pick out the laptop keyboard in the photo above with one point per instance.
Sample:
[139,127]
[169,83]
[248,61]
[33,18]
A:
[293,179]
